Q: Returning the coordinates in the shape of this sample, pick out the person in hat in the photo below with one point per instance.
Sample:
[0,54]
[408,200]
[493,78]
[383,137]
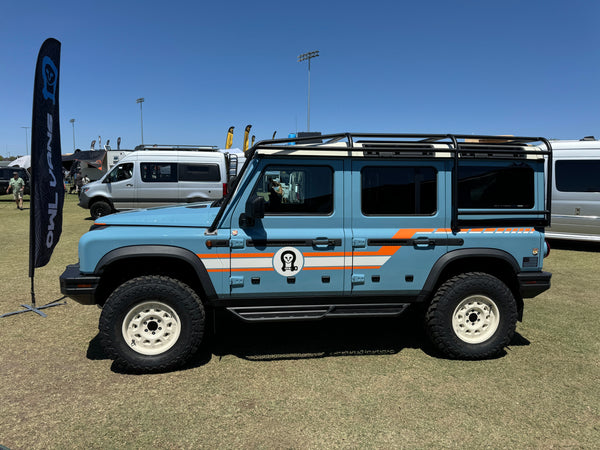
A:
[18,186]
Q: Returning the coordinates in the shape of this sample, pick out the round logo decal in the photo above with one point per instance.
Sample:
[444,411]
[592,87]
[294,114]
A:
[288,261]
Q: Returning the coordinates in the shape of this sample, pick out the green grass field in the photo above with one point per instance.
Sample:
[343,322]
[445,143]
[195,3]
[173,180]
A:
[369,383]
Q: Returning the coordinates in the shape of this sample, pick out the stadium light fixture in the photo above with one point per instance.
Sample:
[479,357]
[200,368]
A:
[307,57]
[140,101]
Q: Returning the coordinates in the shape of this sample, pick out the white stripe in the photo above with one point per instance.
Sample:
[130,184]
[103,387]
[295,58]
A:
[216,263]
[370,260]
[324,261]
[247,263]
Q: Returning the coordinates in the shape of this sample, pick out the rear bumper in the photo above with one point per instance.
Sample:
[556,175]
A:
[533,283]
[79,287]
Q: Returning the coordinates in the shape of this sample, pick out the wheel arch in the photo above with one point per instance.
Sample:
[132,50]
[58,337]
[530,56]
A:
[495,262]
[124,263]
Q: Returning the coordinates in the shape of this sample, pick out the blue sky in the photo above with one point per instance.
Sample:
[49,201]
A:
[481,67]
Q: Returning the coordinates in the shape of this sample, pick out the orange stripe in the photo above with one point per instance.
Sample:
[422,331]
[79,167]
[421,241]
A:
[326,254]
[252,255]
[214,255]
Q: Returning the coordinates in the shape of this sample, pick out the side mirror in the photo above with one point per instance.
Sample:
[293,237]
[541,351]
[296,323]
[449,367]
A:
[255,209]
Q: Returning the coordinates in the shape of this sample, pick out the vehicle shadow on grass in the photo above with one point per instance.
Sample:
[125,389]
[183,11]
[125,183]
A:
[264,342]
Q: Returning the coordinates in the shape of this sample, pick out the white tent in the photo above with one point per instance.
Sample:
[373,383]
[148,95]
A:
[22,161]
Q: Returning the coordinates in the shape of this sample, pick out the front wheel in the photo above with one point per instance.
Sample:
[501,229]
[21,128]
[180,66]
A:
[472,316]
[100,208]
[152,324]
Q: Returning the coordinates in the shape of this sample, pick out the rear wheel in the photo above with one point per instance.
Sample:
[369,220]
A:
[472,316]
[100,208]
[152,323]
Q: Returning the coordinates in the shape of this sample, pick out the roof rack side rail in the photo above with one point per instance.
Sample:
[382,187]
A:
[176,147]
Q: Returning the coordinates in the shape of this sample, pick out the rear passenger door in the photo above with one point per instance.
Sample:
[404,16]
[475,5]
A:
[399,221]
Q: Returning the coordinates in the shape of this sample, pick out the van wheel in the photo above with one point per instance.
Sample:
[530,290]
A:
[152,324]
[472,316]
[100,208]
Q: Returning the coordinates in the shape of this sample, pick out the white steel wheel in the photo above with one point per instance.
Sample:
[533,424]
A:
[151,328]
[475,319]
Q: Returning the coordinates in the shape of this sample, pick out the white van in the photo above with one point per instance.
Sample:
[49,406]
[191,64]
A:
[575,190]
[148,178]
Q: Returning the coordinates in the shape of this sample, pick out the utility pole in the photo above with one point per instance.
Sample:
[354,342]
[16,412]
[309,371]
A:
[26,140]
[73,123]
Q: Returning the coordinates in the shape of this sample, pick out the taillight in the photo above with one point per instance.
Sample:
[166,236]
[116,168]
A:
[224,189]
[546,248]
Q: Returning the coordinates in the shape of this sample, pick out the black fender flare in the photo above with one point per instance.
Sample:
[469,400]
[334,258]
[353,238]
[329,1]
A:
[148,251]
[457,255]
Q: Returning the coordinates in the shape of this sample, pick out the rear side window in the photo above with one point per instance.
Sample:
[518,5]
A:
[406,191]
[199,172]
[578,176]
[159,172]
[485,187]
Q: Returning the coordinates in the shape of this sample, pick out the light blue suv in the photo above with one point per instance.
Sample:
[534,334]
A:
[358,225]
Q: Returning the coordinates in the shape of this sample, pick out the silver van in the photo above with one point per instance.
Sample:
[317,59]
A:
[148,178]
[575,190]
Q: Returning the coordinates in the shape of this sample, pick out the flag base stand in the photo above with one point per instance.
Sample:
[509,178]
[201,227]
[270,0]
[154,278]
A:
[35,309]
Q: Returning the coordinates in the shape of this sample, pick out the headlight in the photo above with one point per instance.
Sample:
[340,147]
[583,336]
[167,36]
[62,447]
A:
[85,189]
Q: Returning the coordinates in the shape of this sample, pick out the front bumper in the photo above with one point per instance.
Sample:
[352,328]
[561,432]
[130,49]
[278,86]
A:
[84,200]
[79,287]
[532,284]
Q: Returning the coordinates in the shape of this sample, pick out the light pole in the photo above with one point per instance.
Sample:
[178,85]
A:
[303,57]
[140,101]
[26,140]
[73,123]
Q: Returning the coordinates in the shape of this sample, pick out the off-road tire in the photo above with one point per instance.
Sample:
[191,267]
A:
[472,316]
[100,208]
[152,324]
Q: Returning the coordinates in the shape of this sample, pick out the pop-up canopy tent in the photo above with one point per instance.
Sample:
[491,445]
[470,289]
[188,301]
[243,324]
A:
[21,161]
[91,162]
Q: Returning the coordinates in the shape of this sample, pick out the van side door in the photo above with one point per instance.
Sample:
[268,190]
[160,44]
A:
[158,184]
[199,182]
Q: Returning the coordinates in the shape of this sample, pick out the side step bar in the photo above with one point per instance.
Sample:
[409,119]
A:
[316,312]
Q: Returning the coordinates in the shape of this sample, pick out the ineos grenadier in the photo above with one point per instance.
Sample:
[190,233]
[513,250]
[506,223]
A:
[357,225]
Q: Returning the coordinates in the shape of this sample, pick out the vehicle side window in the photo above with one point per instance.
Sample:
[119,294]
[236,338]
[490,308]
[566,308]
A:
[578,175]
[199,172]
[159,172]
[120,173]
[296,190]
[485,187]
[397,190]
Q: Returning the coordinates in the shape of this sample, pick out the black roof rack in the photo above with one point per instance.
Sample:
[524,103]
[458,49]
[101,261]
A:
[458,146]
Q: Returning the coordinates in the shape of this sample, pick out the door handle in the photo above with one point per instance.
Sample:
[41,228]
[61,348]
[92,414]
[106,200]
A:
[423,242]
[322,242]
[129,185]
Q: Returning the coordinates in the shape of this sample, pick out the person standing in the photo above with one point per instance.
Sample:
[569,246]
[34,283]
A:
[18,186]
